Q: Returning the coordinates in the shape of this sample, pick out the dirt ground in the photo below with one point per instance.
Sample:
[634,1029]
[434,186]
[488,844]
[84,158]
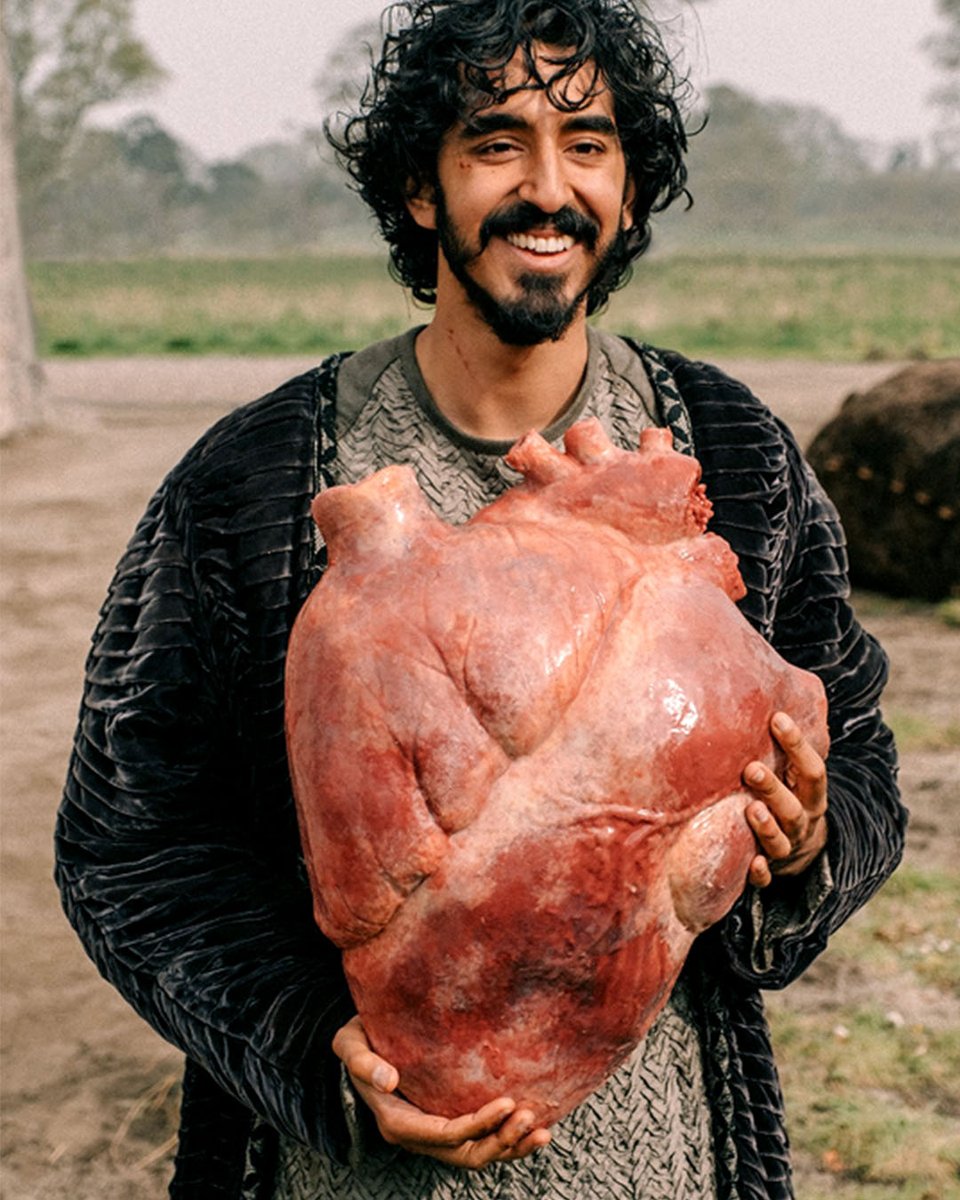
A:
[89,1092]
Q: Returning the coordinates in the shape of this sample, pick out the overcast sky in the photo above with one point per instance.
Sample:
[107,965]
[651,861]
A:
[241,73]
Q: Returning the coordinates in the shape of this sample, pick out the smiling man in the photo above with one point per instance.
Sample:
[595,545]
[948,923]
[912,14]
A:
[531,205]
[513,152]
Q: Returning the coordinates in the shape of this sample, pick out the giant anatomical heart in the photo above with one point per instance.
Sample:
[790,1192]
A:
[516,748]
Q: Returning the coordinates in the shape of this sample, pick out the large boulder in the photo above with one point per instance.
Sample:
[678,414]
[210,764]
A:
[890,461]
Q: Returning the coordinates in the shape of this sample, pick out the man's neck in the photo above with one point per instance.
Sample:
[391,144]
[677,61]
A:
[488,389]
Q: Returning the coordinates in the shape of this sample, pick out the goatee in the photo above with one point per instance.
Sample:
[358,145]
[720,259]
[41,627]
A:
[541,313]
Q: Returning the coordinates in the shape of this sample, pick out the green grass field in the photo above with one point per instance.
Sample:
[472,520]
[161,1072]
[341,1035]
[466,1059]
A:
[833,307]
[873,1096]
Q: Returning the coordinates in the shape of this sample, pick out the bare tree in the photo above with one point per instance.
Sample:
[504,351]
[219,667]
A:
[20,376]
[58,59]
[944,49]
[68,57]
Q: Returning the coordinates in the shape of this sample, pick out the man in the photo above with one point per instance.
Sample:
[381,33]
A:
[513,151]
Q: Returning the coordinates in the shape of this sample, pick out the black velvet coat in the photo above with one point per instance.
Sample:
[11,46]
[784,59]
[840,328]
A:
[177,847]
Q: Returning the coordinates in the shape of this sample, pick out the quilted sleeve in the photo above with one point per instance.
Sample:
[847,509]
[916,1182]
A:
[176,857]
[774,933]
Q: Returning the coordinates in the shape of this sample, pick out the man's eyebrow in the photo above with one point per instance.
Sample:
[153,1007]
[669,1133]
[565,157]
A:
[590,123]
[482,123]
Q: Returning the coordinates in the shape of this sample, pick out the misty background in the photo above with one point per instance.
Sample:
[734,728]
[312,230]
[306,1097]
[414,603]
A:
[148,128]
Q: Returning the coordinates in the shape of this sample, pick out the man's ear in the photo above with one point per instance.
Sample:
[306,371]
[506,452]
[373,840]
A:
[422,204]
[629,195]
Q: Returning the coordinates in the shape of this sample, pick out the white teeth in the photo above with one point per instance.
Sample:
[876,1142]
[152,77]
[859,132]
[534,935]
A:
[540,245]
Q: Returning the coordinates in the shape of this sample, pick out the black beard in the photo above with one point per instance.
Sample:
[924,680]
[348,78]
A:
[541,313]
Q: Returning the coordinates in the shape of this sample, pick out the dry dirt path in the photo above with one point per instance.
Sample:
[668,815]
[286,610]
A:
[805,394]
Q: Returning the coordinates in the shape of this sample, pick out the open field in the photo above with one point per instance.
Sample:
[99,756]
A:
[868,1040]
[843,307]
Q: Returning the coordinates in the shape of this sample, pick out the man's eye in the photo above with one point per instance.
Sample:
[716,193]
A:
[587,148]
[502,147]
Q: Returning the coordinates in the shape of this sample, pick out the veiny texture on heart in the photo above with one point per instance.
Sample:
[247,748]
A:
[516,749]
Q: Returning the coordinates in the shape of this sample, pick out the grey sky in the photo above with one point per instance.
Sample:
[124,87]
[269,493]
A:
[241,73]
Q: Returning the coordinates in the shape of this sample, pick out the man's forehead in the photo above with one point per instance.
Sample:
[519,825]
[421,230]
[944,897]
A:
[579,92]
[549,69]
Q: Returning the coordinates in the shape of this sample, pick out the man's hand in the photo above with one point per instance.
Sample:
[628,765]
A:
[498,1132]
[789,815]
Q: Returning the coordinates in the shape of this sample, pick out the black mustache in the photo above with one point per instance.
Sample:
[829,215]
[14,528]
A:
[525,217]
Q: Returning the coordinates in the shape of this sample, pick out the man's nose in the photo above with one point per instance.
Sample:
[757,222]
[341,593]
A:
[545,181]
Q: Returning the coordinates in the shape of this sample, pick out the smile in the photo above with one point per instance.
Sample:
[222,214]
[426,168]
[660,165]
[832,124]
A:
[540,245]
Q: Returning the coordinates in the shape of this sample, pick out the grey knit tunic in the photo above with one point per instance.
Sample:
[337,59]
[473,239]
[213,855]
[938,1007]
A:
[646,1132]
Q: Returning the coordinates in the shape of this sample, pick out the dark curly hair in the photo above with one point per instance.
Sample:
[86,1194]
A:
[442,57]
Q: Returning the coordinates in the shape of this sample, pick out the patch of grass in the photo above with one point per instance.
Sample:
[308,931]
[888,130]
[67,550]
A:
[915,732]
[872,1102]
[876,604]
[837,307]
[213,306]
[813,1187]
[843,307]
[948,611]
[873,1095]
[912,926]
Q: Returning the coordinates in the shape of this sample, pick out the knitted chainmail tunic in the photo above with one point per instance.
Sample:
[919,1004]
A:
[646,1132]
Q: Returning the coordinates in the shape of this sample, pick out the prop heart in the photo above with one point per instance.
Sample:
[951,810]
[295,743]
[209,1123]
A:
[516,749]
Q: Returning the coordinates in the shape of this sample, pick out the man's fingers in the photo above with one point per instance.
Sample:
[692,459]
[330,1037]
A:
[352,1048]
[535,1140]
[773,838]
[807,771]
[787,818]
[778,809]
[497,1131]
[516,1139]
[759,874]
[486,1122]
[532,1142]
[493,1134]
[403,1124]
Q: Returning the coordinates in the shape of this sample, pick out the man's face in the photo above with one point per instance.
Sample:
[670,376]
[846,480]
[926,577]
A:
[531,202]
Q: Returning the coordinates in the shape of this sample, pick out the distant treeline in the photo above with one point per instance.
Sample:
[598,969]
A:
[760,174]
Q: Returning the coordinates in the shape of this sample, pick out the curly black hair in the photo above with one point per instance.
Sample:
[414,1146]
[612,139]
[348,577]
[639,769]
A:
[441,57]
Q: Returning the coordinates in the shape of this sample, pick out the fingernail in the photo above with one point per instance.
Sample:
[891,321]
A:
[382,1077]
[781,723]
[754,774]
